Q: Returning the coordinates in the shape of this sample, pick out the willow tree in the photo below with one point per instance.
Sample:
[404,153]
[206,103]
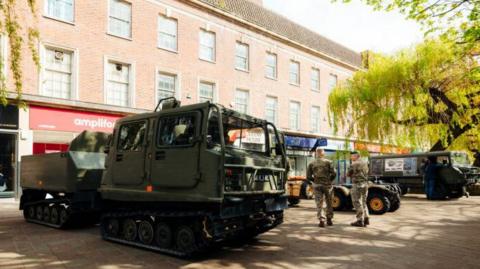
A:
[19,35]
[424,96]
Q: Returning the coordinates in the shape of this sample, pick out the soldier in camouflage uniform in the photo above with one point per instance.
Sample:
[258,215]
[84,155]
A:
[358,172]
[322,173]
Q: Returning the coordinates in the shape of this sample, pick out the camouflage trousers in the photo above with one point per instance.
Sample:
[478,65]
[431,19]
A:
[359,199]
[323,195]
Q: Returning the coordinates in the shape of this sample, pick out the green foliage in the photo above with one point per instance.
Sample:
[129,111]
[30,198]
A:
[12,26]
[426,96]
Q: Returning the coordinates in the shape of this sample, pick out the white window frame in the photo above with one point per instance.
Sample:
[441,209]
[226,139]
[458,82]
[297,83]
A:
[330,76]
[275,75]
[299,123]
[202,30]
[75,68]
[131,21]
[317,71]
[178,91]
[295,83]
[248,99]
[131,79]
[158,33]
[46,15]
[207,81]
[317,125]
[247,58]
[276,108]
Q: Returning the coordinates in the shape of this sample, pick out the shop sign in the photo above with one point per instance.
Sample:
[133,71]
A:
[57,119]
[339,145]
[8,117]
[305,143]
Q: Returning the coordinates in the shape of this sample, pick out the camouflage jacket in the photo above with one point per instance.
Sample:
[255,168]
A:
[358,171]
[321,171]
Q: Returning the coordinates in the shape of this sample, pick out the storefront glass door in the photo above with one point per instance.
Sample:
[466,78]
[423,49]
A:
[8,164]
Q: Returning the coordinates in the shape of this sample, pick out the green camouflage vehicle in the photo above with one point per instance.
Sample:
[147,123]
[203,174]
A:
[183,178]
[59,189]
[408,170]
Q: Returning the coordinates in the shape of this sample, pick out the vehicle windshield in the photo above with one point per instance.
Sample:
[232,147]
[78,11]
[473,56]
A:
[460,158]
[238,133]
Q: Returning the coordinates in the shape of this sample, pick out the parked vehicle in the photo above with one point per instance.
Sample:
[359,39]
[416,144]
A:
[298,187]
[177,180]
[455,174]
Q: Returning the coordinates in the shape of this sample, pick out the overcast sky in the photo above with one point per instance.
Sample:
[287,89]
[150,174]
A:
[353,25]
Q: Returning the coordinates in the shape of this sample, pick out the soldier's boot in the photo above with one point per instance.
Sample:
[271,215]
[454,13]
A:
[321,224]
[329,222]
[366,221]
[358,223]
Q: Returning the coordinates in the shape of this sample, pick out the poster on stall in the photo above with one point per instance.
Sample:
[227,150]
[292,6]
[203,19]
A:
[410,166]
[394,165]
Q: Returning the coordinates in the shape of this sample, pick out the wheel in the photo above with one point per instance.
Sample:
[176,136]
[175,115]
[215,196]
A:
[293,201]
[46,213]
[378,203]
[31,212]
[145,232]
[54,217]
[129,229]
[394,205]
[306,190]
[185,239]
[457,193]
[113,227]
[404,190]
[339,200]
[63,216]
[163,235]
[39,212]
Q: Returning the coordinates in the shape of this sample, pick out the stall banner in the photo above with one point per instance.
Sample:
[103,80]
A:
[57,119]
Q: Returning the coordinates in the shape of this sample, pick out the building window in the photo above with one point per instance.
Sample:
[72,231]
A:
[167,33]
[294,117]
[294,73]
[60,9]
[332,82]
[241,56]
[118,84]
[57,73]
[166,85]
[315,119]
[120,18]
[206,91]
[241,101]
[271,105]
[207,46]
[315,79]
[271,66]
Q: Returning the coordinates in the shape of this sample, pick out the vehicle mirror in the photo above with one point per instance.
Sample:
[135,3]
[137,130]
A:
[210,143]
[106,150]
[278,149]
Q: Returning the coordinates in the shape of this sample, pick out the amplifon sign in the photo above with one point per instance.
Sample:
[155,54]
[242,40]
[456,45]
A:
[57,119]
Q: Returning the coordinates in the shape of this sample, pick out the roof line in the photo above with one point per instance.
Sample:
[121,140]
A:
[237,19]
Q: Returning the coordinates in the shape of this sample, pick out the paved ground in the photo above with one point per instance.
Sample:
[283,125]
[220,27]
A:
[422,234]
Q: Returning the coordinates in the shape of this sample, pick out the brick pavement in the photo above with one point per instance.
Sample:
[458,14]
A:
[422,234]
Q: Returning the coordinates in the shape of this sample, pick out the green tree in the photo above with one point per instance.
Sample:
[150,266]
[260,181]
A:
[458,20]
[19,34]
[426,96]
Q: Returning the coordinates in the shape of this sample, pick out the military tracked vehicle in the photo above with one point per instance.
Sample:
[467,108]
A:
[59,189]
[454,175]
[182,178]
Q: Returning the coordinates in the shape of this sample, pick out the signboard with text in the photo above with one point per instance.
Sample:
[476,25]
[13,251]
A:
[57,119]
[8,117]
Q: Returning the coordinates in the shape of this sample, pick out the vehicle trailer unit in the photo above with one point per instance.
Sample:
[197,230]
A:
[61,188]
[184,178]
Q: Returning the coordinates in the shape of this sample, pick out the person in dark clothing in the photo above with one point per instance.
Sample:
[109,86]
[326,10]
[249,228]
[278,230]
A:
[431,177]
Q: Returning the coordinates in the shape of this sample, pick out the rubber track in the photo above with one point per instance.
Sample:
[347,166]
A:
[144,213]
[41,222]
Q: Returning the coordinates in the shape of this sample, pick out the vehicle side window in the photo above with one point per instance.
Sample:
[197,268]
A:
[132,136]
[176,130]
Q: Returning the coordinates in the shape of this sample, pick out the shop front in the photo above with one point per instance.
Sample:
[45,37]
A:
[54,128]
[301,151]
[9,126]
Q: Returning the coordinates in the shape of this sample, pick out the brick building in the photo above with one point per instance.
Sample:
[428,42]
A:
[104,59]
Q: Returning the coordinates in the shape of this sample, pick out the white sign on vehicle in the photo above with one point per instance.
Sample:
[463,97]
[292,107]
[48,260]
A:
[394,165]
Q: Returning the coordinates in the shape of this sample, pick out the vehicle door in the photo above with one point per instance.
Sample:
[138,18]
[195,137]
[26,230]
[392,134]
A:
[129,160]
[175,160]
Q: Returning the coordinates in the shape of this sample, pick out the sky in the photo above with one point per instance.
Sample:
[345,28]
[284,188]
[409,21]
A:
[354,25]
